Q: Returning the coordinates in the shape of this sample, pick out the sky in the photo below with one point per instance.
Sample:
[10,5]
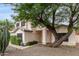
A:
[6,12]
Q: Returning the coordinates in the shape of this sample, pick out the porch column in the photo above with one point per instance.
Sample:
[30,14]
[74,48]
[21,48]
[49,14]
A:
[20,24]
[44,35]
[23,39]
[53,38]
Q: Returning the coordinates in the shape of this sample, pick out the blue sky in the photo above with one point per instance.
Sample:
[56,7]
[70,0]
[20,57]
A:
[5,12]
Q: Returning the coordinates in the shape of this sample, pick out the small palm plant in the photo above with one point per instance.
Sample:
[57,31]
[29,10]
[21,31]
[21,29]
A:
[4,38]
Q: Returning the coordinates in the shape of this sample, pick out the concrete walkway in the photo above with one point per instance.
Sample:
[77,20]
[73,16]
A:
[39,50]
[19,47]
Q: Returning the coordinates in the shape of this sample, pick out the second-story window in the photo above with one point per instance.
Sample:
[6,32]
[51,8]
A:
[23,23]
[17,24]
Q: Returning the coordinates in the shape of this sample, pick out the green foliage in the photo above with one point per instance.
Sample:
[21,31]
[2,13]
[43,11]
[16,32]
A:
[31,43]
[47,14]
[10,24]
[15,40]
[31,12]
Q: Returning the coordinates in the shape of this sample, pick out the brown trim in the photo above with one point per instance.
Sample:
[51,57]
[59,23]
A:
[28,31]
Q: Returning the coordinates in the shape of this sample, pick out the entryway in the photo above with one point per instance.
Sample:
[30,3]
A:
[19,35]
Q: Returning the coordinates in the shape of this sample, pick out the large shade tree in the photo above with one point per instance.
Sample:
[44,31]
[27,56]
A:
[49,16]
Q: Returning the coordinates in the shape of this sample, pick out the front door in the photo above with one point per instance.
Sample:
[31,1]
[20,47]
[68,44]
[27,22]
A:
[19,35]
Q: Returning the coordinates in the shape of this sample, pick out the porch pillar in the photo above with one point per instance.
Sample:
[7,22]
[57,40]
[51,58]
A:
[23,39]
[44,35]
[53,38]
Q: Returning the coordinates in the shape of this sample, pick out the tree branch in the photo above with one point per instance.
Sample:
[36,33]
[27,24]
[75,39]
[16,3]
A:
[52,29]
[70,27]
[53,19]
[76,19]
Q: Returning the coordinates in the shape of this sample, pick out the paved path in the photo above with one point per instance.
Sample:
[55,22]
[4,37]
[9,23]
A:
[38,50]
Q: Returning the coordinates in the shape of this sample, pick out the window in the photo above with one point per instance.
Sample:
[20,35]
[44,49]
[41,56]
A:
[23,23]
[19,35]
[62,34]
[17,24]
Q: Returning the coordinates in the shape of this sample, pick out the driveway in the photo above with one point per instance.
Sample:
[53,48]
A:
[39,50]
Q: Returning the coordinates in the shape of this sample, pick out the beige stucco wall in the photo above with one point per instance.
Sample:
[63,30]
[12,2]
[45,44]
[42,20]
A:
[27,26]
[62,29]
[33,36]
[48,37]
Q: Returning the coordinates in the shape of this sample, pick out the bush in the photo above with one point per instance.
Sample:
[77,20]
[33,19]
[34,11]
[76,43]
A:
[15,40]
[31,43]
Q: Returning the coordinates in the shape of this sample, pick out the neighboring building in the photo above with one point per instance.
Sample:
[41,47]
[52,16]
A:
[42,35]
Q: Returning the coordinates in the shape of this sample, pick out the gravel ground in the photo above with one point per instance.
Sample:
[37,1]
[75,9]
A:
[38,50]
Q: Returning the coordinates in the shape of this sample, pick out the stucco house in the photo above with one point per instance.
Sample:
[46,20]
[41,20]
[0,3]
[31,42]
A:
[41,34]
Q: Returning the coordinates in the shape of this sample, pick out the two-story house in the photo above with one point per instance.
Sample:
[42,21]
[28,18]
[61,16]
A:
[27,34]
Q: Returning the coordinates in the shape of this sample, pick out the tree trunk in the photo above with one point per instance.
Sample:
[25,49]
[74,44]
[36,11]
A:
[60,40]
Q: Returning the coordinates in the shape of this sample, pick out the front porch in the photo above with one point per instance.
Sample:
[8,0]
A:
[47,36]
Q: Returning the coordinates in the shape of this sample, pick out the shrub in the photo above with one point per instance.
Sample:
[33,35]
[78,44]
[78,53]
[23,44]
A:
[31,43]
[15,40]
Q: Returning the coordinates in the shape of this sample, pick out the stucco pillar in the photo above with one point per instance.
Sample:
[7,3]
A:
[44,35]
[53,38]
[23,39]
[20,24]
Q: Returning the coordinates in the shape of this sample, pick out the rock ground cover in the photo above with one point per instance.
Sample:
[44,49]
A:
[40,50]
